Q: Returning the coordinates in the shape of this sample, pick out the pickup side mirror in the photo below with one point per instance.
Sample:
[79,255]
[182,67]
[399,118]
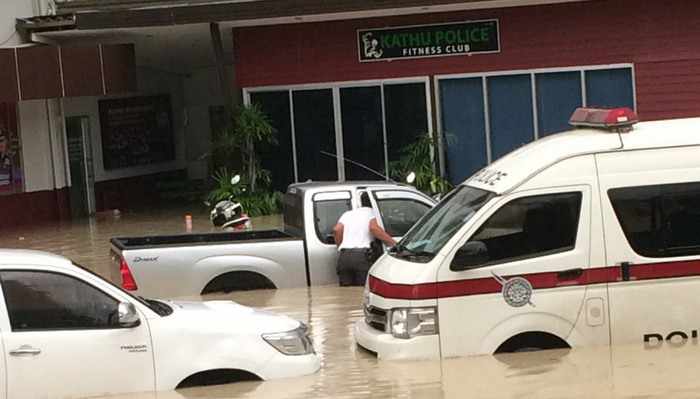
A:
[128,317]
[473,253]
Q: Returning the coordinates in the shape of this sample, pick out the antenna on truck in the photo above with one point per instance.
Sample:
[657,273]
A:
[357,164]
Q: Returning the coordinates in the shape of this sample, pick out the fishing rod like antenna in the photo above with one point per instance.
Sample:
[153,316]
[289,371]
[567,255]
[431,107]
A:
[358,164]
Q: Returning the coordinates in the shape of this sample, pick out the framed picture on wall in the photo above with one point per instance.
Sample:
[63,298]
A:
[136,131]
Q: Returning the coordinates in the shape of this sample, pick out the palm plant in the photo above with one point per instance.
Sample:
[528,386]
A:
[419,158]
[250,127]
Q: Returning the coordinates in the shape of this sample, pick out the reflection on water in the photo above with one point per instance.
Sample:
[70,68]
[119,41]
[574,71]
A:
[349,372]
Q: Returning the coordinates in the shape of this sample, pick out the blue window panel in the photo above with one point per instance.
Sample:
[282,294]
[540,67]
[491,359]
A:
[462,111]
[609,88]
[510,113]
[558,95]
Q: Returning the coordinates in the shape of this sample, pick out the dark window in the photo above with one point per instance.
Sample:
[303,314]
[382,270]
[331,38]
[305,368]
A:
[50,301]
[326,215]
[314,129]
[277,157]
[400,214]
[661,220]
[531,226]
[363,137]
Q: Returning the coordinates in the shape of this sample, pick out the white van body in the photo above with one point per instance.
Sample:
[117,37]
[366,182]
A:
[54,347]
[596,287]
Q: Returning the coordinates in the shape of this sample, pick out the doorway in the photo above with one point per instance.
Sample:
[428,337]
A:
[82,176]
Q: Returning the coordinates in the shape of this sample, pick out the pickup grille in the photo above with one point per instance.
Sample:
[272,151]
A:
[376,318]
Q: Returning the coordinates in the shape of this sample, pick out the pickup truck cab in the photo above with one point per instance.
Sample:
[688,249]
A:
[587,237]
[66,332]
[302,254]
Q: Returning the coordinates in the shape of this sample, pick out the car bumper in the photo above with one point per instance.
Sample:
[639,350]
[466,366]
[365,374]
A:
[284,366]
[389,348]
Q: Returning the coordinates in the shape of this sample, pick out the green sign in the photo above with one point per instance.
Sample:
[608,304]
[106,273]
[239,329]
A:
[459,38]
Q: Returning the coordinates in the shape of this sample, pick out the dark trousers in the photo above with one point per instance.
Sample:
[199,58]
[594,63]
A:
[353,266]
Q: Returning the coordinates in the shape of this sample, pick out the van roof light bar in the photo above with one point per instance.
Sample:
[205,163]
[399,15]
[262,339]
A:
[614,119]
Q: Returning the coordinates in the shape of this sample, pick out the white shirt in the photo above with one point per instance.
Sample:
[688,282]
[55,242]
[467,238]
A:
[356,228]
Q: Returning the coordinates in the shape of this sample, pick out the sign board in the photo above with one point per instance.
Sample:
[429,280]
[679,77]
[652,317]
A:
[421,41]
[136,131]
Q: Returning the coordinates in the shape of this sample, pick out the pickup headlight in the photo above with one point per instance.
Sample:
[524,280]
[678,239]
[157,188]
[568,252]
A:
[292,343]
[410,322]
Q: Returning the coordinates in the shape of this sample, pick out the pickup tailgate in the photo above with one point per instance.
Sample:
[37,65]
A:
[182,265]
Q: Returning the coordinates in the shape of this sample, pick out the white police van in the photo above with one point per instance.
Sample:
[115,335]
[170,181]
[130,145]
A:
[588,237]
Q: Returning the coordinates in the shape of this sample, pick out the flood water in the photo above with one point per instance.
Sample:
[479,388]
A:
[349,372]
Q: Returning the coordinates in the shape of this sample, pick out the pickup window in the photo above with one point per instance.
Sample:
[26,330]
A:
[328,208]
[39,300]
[399,210]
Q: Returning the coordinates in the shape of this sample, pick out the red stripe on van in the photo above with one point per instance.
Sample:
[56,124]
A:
[489,285]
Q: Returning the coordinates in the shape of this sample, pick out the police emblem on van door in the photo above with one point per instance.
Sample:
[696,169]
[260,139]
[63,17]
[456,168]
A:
[516,291]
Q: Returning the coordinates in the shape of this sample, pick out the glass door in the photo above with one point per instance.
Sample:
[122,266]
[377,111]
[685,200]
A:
[82,189]
[363,132]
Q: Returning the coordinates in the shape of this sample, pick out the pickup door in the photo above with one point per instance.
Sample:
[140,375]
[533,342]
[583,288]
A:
[398,210]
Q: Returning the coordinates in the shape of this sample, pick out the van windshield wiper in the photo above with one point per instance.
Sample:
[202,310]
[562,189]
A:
[403,252]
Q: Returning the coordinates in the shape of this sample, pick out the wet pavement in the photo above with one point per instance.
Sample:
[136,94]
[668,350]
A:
[350,372]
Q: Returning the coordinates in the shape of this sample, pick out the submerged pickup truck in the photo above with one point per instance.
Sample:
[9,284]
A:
[302,254]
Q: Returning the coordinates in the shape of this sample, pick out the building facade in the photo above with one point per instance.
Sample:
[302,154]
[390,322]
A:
[359,80]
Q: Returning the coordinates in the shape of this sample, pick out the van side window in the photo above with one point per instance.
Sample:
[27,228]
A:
[328,208]
[660,220]
[530,226]
[50,301]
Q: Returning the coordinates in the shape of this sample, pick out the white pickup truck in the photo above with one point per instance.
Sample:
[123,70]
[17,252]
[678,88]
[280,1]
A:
[304,253]
[66,332]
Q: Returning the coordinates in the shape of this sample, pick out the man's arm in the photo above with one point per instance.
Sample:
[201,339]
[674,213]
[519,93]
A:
[338,233]
[378,232]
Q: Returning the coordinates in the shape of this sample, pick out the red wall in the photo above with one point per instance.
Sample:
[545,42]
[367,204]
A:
[36,208]
[660,38]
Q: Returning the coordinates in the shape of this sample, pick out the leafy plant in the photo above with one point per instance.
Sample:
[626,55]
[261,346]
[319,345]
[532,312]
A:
[254,203]
[419,157]
[249,128]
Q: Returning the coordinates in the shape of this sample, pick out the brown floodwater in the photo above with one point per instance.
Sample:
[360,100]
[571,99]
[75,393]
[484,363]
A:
[350,372]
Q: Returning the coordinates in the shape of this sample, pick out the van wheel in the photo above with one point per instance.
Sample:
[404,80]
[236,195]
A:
[238,281]
[532,341]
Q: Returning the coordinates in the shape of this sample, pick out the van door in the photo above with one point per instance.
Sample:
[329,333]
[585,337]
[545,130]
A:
[399,210]
[651,211]
[519,269]
[61,339]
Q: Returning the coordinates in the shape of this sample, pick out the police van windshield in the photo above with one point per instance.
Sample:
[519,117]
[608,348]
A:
[433,231]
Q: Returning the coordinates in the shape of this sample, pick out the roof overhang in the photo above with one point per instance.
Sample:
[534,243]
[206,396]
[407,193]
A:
[135,14]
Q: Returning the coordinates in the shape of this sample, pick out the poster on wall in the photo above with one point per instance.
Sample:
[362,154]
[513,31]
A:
[136,131]
[10,154]
[436,40]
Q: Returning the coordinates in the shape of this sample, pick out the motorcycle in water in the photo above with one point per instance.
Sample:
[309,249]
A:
[229,215]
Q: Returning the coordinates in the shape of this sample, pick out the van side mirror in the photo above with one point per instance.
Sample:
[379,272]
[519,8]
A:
[128,317]
[473,253]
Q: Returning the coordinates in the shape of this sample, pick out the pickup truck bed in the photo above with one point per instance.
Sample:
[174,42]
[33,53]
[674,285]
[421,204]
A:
[123,243]
[191,264]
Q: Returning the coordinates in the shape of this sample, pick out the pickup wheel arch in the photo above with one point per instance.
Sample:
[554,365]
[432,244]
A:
[217,377]
[240,280]
[531,341]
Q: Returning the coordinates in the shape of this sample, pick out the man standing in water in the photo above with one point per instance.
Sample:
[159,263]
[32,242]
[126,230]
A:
[353,234]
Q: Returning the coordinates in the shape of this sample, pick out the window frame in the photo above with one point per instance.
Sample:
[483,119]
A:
[663,251]
[497,208]
[314,201]
[45,271]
